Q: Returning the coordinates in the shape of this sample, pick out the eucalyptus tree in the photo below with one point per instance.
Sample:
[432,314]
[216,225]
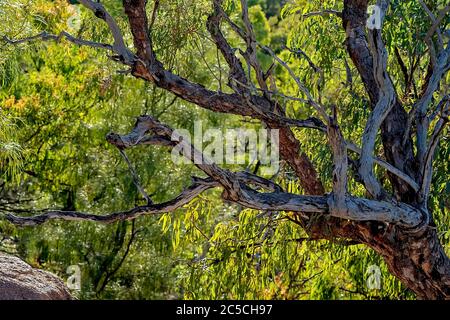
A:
[392,215]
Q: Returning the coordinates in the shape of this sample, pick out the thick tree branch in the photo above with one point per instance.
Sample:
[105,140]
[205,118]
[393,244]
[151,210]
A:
[236,189]
[236,69]
[340,162]
[441,67]
[259,107]
[386,101]
[398,153]
[185,197]
[119,47]
[250,53]
[399,231]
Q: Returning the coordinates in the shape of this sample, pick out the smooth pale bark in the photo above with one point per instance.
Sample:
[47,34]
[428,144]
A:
[416,258]
[400,229]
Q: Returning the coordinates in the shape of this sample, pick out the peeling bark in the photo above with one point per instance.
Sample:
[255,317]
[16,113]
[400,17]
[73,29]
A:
[398,227]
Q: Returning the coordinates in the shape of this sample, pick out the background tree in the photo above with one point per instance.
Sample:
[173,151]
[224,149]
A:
[290,73]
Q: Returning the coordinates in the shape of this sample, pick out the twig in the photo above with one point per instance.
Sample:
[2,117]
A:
[135,177]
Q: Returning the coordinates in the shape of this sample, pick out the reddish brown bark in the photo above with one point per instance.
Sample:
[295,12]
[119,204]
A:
[416,258]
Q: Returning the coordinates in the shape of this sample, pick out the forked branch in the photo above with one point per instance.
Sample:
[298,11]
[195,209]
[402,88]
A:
[237,188]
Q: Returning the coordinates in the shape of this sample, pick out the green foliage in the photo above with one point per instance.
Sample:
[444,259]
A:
[58,101]
[10,151]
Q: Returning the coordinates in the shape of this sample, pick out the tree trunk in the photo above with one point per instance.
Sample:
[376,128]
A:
[408,242]
[417,259]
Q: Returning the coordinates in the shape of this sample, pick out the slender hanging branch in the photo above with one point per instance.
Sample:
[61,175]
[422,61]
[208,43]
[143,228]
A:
[119,46]
[135,177]
[319,108]
[184,198]
[45,36]
[323,13]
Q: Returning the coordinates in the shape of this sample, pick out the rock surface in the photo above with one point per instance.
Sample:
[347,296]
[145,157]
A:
[19,281]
